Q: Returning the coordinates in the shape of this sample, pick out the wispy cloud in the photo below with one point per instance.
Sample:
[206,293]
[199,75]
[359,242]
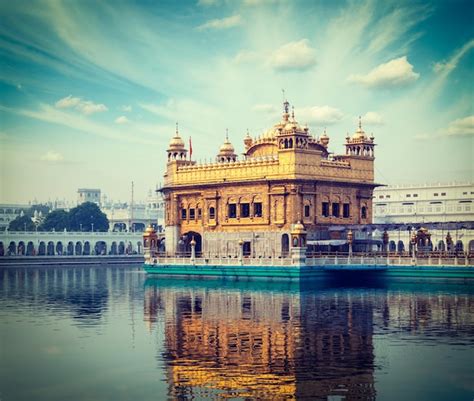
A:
[221,23]
[460,127]
[126,108]
[396,72]
[84,106]
[75,122]
[447,66]
[293,56]
[52,157]
[122,120]
[372,118]
[320,115]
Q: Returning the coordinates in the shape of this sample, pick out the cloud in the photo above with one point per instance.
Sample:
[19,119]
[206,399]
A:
[84,106]
[449,65]
[320,115]
[52,157]
[460,127]
[222,23]
[293,56]
[265,108]
[396,72]
[246,56]
[126,108]
[372,118]
[122,120]
[52,115]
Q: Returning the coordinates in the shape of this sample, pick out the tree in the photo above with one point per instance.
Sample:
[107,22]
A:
[87,215]
[44,209]
[22,223]
[57,220]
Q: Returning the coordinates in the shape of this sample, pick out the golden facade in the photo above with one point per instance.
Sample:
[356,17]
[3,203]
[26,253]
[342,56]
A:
[286,175]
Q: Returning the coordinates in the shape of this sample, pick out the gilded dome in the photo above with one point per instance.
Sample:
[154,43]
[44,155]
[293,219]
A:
[227,148]
[359,134]
[176,143]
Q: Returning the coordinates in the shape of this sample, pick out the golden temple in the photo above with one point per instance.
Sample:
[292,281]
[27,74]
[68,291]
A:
[284,176]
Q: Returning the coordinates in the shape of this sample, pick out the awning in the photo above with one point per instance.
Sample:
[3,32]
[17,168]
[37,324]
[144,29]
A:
[333,242]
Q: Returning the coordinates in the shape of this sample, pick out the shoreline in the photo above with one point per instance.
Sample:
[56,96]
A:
[33,261]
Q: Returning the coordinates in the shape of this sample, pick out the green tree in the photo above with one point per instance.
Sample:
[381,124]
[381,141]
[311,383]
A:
[87,215]
[57,220]
[22,223]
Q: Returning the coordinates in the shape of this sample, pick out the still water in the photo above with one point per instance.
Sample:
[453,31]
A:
[111,333]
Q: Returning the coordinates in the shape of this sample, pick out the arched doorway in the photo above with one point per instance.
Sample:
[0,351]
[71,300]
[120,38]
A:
[185,243]
[161,246]
[392,246]
[441,246]
[121,248]
[30,249]
[100,248]
[120,227]
[459,246]
[87,248]
[70,248]
[471,246]
[42,248]
[50,249]
[400,247]
[113,248]
[59,248]
[285,245]
[21,248]
[139,247]
[78,248]
[12,248]
[2,249]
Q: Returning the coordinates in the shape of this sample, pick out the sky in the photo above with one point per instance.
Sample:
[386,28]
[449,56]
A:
[90,92]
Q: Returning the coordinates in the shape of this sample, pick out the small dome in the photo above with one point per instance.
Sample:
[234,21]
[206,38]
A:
[227,148]
[298,228]
[176,143]
[359,134]
[324,139]
[150,231]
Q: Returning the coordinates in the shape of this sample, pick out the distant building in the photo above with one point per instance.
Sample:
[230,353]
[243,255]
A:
[88,195]
[9,212]
[429,203]
[124,217]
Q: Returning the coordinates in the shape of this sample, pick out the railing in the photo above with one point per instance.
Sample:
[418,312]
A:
[320,259]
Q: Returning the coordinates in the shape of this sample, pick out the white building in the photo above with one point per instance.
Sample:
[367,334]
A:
[430,203]
[125,217]
[88,195]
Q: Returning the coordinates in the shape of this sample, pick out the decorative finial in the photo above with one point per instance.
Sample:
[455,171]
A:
[227,134]
[360,122]
[177,132]
[293,112]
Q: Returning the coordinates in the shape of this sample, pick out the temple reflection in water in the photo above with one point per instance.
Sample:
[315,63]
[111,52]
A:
[262,344]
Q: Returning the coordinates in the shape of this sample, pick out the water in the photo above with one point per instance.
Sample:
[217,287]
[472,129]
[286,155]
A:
[109,333]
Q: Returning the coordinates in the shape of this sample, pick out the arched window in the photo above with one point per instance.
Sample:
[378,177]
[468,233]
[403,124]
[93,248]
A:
[212,213]
[363,212]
